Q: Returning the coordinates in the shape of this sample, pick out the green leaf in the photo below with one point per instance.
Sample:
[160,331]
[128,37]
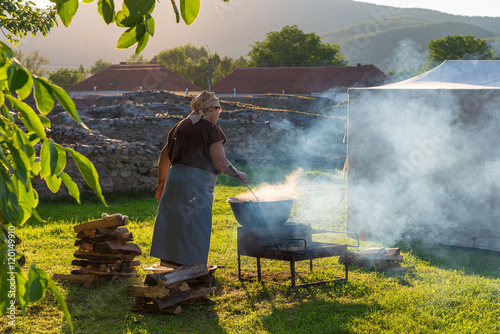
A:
[66,10]
[150,25]
[36,285]
[58,166]
[45,121]
[4,276]
[53,158]
[139,8]
[30,118]
[28,201]
[8,51]
[21,161]
[123,18]
[106,9]
[59,296]
[43,95]
[8,197]
[142,43]
[88,172]
[190,10]
[87,1]
[131,36]
[22,291]
[176,11]
[72,186]
[18,77]
[53,182]
[66,101]
[26,145]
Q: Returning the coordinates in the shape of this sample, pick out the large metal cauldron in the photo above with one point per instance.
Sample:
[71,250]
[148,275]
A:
[261,213]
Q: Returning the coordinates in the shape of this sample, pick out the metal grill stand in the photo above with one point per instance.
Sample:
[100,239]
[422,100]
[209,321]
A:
[290,242]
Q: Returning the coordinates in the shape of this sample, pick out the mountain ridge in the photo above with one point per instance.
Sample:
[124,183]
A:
[226,28]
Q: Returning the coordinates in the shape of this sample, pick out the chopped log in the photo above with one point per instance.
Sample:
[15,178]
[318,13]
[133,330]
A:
[116,246]
[85,234]
[110,221]
[202,281]
[373,250]
[161,304]
[110,230]
[97,256]
[180,274]
[157,291]
[383,257]
[110,273]
[392,251]
[86,247]
[82,279]
[105,237]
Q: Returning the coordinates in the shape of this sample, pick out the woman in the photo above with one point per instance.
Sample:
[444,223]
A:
[187,170]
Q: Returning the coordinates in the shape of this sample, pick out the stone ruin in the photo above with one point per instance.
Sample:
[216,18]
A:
[129,130]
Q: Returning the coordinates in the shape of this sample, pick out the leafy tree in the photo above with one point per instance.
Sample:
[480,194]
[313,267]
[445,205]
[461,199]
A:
[18,18]
[33,62]
[460,47]
[291,47]
[22,129]
[137,59]
[99,66]
[66,77]
[191,63]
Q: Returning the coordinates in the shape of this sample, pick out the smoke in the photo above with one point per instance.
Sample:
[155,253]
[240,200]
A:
[316,153]
[424,164]
[408,59]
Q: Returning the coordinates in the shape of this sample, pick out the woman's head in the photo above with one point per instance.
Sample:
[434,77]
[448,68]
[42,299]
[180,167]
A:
[205,105]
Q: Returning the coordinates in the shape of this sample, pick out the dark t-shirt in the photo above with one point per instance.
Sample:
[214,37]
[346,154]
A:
[189,143]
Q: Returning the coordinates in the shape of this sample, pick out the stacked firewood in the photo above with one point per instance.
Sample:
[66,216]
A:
[104,251]
[166,289]
[377,258]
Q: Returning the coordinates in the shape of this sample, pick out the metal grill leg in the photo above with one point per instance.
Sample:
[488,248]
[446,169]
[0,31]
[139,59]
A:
[292,269]
[311,265]
[259,276]
[239,267]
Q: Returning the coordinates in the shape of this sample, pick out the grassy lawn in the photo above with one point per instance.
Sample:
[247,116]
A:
[451,290]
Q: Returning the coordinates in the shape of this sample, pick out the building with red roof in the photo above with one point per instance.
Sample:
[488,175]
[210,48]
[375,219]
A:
[299,80]
[125,77]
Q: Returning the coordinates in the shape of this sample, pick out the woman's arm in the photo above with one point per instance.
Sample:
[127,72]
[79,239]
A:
[223,165]
[163,166]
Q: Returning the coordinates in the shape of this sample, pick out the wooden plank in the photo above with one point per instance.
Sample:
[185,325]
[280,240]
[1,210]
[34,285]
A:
[177,275]
[86,247]
[117,246]
[392,251]
[110,221]
[97,256]
[85,234]
[161,304]
[373,250]
[157,291]
[111,230]
[81,279]
[383,257]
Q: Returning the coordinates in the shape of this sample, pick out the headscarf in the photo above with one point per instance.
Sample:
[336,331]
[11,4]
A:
[202,106]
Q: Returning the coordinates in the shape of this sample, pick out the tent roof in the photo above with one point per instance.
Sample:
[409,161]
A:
[454,74]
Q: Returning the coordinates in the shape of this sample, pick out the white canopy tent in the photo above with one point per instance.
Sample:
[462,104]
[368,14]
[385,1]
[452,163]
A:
[424,157]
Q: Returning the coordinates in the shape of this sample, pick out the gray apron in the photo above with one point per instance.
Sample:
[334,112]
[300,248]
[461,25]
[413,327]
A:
[184,219]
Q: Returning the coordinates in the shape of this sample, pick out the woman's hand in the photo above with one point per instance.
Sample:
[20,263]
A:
[243,178]
[159,190]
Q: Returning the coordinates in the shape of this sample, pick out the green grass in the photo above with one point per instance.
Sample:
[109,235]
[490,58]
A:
[451,290]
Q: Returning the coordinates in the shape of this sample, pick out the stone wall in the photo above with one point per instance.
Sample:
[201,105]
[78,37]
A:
[128,132]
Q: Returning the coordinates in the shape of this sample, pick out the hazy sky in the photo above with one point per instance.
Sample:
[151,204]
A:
[457,7]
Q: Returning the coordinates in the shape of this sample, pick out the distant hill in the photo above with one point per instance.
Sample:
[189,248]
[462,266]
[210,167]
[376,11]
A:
[381,47]
[230,28]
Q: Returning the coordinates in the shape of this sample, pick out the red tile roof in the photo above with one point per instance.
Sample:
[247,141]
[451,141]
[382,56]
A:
[299,80]
[131,77]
